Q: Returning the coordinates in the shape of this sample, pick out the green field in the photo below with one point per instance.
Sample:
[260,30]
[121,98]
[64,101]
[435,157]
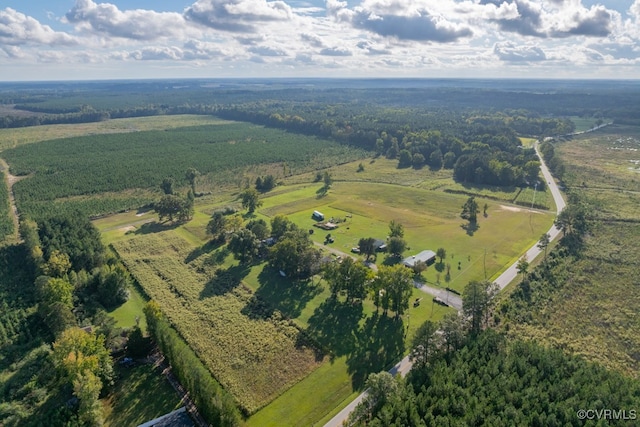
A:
[10,138]
[593,310]
[89,173]
[173,266]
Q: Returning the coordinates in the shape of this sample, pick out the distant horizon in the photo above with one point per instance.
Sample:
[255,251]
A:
[333,78]
[60,40]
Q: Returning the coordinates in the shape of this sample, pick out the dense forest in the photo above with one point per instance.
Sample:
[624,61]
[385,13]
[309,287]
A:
[491,381]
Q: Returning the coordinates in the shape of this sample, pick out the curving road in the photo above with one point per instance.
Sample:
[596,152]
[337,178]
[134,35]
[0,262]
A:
[455,301]
[510,273]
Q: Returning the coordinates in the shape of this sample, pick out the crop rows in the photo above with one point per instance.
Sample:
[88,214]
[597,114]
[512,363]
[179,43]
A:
[6,223]
[105,163]
[254,358]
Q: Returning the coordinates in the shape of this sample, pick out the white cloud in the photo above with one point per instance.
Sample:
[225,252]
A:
[19,29]
[156,53]
[508,51]
[335,51]
[237,15]
[399,19]
[106,19]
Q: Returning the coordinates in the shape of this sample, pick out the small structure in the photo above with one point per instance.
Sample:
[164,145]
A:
[177,418]
[318,216]
[428,257]
[326,225]
[379,245]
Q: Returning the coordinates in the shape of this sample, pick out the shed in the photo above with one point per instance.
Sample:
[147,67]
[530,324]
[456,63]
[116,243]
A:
[428,257]
[318,216]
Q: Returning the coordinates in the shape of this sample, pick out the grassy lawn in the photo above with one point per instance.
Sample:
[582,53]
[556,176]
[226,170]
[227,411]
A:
[431,220]
[141,394]
[127,313]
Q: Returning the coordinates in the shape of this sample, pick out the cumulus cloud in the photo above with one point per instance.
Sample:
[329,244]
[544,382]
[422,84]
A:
[398,19]
[19,29]
[372,49]
[267,51]
[237,15]
[107,20]
[335,51]
[508,51]
[312,40]
[157,53]
[558,19]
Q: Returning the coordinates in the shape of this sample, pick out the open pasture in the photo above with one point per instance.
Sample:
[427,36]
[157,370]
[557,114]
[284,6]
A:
[431,220]
[255,357]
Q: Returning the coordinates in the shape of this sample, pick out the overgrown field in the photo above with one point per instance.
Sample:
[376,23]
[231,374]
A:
[592,308]
[254,354]
[92,165]
[604,167]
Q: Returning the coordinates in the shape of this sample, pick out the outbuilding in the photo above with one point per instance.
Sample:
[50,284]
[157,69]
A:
[428,257]
[318,216]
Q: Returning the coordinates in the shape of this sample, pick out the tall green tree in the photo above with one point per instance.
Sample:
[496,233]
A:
[543,243]
[250,199]
[441,253]
[470,210]
[280,225]
[244,245]
[190,175]
[396,246]
[348,276]
[395,229]
[86,387]
[367,246]
[523,266]
[477,299]
[217,225]
[425,344]
[113,284]
[167,185]
[395,285]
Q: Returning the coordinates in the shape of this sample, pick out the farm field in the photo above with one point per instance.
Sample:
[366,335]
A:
[11,138]
[254,354]
[358,341]
[137,162]
[594,313]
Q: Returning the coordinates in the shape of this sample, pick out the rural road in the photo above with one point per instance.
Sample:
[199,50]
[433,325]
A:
[510,273]
[502,281]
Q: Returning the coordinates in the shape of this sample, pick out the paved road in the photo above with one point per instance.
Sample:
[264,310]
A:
[450,298]
[510,273]
[455,301]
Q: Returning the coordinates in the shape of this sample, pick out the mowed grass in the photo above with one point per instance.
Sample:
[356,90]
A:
[10,138]
[254,356]
[431,219]
[141,394]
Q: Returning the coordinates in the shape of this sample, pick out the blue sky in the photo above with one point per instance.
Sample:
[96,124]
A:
[90,39]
